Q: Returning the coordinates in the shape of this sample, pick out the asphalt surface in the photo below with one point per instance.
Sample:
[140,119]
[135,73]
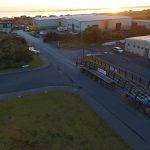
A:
[132,63]
[130,124]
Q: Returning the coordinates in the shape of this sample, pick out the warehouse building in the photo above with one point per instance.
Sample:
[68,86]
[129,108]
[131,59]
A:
[79,23]
[138,45]
[46,22]
[145,23]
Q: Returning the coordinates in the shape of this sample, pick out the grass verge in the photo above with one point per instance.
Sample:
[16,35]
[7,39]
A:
[77,44]
[54,120]
[36,62]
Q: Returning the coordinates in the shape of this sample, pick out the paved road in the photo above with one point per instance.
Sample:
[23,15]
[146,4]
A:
[132,126]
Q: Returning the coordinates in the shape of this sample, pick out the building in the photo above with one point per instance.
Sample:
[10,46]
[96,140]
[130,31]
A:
[46,22]
[78,23]
[5,26]
[145,23]
[138,45]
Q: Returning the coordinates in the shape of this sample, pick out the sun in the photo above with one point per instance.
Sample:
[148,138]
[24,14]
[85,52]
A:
[113,9]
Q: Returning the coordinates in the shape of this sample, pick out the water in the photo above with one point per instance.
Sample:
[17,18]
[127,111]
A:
[65,12]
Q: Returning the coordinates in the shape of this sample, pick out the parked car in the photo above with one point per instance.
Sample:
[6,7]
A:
[118,50]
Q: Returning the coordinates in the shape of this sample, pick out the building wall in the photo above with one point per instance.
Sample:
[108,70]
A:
[46,23]
[145,23]
[78,26]
[108,24]
[72,23]
[138,47]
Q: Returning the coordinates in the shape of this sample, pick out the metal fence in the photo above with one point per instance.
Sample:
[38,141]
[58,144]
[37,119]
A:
[113,70]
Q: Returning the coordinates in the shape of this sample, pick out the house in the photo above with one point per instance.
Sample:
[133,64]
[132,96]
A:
[5,25]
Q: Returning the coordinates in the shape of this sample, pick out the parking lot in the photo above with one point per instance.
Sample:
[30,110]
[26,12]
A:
[132,63]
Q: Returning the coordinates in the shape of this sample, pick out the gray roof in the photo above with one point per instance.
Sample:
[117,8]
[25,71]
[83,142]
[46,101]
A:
[84,17]
[141,38]
[97,17]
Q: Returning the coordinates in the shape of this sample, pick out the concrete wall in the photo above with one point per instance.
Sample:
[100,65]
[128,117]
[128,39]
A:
[145,23]
[137,46]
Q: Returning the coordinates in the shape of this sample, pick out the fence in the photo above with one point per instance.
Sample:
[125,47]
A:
[114,71]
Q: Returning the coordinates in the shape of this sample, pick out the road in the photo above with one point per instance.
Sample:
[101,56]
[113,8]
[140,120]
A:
[130,124]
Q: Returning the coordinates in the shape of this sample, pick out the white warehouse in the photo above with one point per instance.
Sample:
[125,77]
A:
[138,45]
[79,23]
[46,22]
[145,23]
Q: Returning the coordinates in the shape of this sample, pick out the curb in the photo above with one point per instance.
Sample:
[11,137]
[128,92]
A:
[20,94]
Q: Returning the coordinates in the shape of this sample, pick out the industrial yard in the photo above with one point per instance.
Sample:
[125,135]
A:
[113,77]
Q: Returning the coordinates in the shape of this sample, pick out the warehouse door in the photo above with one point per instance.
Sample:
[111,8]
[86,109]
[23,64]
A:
[146,52]
[118,26]
[72,27]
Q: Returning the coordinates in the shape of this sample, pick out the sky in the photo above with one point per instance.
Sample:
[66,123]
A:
[37,5]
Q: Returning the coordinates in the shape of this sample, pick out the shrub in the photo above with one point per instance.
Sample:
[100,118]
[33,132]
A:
[13,52]
[92,34]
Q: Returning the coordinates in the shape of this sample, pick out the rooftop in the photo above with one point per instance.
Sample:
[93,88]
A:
[142,20]
[84,17]
[143,38]
[97,17]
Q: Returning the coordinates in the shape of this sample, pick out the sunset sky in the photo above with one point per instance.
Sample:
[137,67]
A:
[33,5]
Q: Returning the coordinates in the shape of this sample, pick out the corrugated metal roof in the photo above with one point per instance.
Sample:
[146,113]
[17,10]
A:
[90,17]
[142,38]
[141,20]
[98,17]
[46,18]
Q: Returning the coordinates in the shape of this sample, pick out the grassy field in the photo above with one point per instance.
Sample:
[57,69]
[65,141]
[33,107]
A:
[54,121]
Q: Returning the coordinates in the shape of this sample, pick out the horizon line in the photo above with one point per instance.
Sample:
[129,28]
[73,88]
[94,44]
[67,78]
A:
[78,9]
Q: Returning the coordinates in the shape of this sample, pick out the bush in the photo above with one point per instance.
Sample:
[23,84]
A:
[53,36]
[13,52]
[92,34]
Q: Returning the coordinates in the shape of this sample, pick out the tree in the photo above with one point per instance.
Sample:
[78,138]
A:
[92,34]
[13,52]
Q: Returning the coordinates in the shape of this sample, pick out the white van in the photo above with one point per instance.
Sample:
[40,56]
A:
[33,50]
